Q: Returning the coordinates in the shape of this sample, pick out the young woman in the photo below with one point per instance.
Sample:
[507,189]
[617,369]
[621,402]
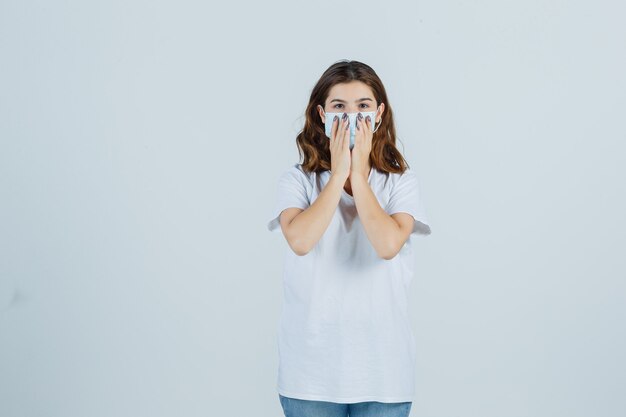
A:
[347,211]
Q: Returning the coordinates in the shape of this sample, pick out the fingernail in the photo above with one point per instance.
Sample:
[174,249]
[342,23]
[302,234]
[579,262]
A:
[360,116]
[335,118]
[345,116]
[368,118]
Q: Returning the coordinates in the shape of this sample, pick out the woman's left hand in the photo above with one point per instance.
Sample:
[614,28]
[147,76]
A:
[360,153]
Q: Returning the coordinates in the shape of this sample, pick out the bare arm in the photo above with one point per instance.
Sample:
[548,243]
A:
[304,228]
[386,233]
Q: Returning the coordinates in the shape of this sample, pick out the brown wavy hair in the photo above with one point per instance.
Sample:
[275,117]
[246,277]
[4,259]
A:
[313,144]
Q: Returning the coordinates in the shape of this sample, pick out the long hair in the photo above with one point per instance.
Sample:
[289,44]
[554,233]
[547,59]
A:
[313,144]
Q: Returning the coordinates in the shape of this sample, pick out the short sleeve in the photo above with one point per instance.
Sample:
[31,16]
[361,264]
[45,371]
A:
[292,191]
[405,197]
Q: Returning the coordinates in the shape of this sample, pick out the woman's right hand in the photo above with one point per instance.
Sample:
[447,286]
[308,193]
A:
[340,148]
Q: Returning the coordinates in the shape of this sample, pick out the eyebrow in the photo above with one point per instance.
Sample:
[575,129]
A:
[343,101]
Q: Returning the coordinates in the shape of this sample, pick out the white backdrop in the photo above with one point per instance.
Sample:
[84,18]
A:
[141,142]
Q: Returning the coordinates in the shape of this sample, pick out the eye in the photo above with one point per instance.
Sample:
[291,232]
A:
[363,105]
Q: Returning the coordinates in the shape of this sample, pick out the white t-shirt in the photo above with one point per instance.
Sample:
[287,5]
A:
[344,334]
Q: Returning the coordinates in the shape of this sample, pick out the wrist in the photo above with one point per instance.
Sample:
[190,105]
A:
[337,180]
[358,176]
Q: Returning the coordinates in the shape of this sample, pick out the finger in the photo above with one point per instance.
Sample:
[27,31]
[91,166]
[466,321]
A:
[360,131]
[345,127]
[333,129]
[357,132]
[346,136]
[368,123]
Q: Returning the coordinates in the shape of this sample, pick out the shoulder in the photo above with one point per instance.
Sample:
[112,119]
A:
[393,179]
[407,174]
[297,170]
[295,173]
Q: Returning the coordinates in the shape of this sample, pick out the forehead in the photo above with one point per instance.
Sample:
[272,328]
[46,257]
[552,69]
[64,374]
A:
[351,91]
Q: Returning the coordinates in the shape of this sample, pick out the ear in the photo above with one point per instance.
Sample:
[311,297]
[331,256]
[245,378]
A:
[380,114]
[320,110]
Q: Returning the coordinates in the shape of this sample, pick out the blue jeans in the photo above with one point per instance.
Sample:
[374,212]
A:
[295,407]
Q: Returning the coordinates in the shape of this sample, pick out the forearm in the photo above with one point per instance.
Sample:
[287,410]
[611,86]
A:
[306,229]
[381,230]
